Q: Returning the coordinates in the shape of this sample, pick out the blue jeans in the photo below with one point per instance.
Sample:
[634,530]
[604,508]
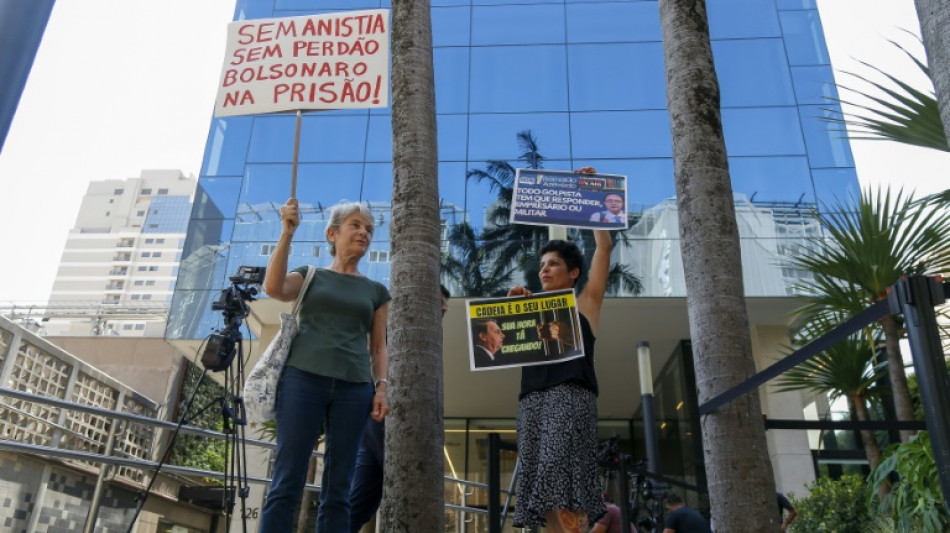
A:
[367,489]
[305,403]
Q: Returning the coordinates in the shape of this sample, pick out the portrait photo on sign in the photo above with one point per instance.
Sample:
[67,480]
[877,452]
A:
[564,198]
[521,331]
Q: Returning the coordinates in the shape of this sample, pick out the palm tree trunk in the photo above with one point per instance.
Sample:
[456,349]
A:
[413,490]
[738,469]
[934,16]
[903,407]
[871,449]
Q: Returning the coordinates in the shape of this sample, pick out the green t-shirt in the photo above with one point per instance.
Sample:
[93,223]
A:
[336,316]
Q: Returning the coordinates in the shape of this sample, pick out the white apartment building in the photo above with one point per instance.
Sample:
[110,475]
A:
[120,262]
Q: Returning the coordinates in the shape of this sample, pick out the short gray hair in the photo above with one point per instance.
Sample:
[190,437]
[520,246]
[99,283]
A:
[341,212]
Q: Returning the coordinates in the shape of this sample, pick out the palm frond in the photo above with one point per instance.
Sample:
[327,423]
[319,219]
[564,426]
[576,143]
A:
[899,112]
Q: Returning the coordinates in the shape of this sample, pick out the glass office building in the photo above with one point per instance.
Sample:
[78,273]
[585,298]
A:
[586,77]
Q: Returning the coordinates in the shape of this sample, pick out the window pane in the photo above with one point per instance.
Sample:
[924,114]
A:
[451,26]
[628,76]
[834,185]
[451,131]
[330,183]
[621,134]
[518,24]
[502,81]
[650,180]
[325,137]
[452,187]
[753,72]
[451,79]
[729,19]
[771,179]
[814,85]
[378,186]
[227,146]
[608,22]
[803,38]
[493,137]
[272,139]
[827,145]
[796,4]
[762,131]
[379,144]
[215,197]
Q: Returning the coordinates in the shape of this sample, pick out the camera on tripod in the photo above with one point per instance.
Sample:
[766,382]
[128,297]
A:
[221,346]
[609,456]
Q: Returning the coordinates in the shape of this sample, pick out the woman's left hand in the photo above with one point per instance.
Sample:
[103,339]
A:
[380,406]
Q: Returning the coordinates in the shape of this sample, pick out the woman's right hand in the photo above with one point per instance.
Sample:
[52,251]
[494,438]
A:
[518,290]
[290,216]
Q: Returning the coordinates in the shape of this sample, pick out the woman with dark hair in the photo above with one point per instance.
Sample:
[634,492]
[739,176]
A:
[336,372]
[557,409]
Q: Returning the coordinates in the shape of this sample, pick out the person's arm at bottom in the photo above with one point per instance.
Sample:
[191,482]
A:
[789,518]
[668,530]
[598,528]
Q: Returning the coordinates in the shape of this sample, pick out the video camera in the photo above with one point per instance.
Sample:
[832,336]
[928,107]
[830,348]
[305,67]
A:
[221,346]
[609,456]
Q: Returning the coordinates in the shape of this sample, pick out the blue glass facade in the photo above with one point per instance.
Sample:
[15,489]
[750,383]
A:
[587,78]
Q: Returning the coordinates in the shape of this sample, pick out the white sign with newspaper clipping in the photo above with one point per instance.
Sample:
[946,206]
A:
[331,61]
[560,198]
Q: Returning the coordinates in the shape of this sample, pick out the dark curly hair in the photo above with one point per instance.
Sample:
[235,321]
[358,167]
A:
[569,252]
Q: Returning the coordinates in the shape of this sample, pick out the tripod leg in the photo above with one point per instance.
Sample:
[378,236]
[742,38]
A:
[143,496]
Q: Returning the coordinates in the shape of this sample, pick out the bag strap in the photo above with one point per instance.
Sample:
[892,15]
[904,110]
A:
[295,310]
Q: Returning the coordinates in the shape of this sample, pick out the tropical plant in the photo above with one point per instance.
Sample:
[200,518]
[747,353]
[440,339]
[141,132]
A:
[916,501]
[832,506]
[741,485]
[845,369]
[867,246]
[199,408]
[900,112]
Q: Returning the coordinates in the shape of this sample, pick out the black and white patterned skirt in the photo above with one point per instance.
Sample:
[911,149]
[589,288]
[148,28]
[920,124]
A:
[557,445]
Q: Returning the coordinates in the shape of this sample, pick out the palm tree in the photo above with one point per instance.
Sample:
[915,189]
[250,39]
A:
[867,246]
[846,369]
[466,265]
[738,468]
[414,497]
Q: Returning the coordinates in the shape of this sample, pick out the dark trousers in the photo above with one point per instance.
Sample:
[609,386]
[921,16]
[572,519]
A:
[305,403]
[367,488]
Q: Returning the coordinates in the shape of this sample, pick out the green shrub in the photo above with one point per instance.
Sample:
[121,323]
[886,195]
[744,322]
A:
[916,501]
[834,506]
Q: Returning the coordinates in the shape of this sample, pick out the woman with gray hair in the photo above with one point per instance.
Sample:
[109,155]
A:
[335,375]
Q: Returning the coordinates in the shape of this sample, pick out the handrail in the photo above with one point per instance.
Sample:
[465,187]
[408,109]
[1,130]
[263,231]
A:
[122,415]
[115,460]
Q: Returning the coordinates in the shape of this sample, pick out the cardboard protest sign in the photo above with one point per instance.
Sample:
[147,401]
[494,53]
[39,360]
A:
[559,198]
[331,61]
[521,331]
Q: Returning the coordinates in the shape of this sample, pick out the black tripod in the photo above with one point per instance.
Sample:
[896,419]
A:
[231,405]
[221,349]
